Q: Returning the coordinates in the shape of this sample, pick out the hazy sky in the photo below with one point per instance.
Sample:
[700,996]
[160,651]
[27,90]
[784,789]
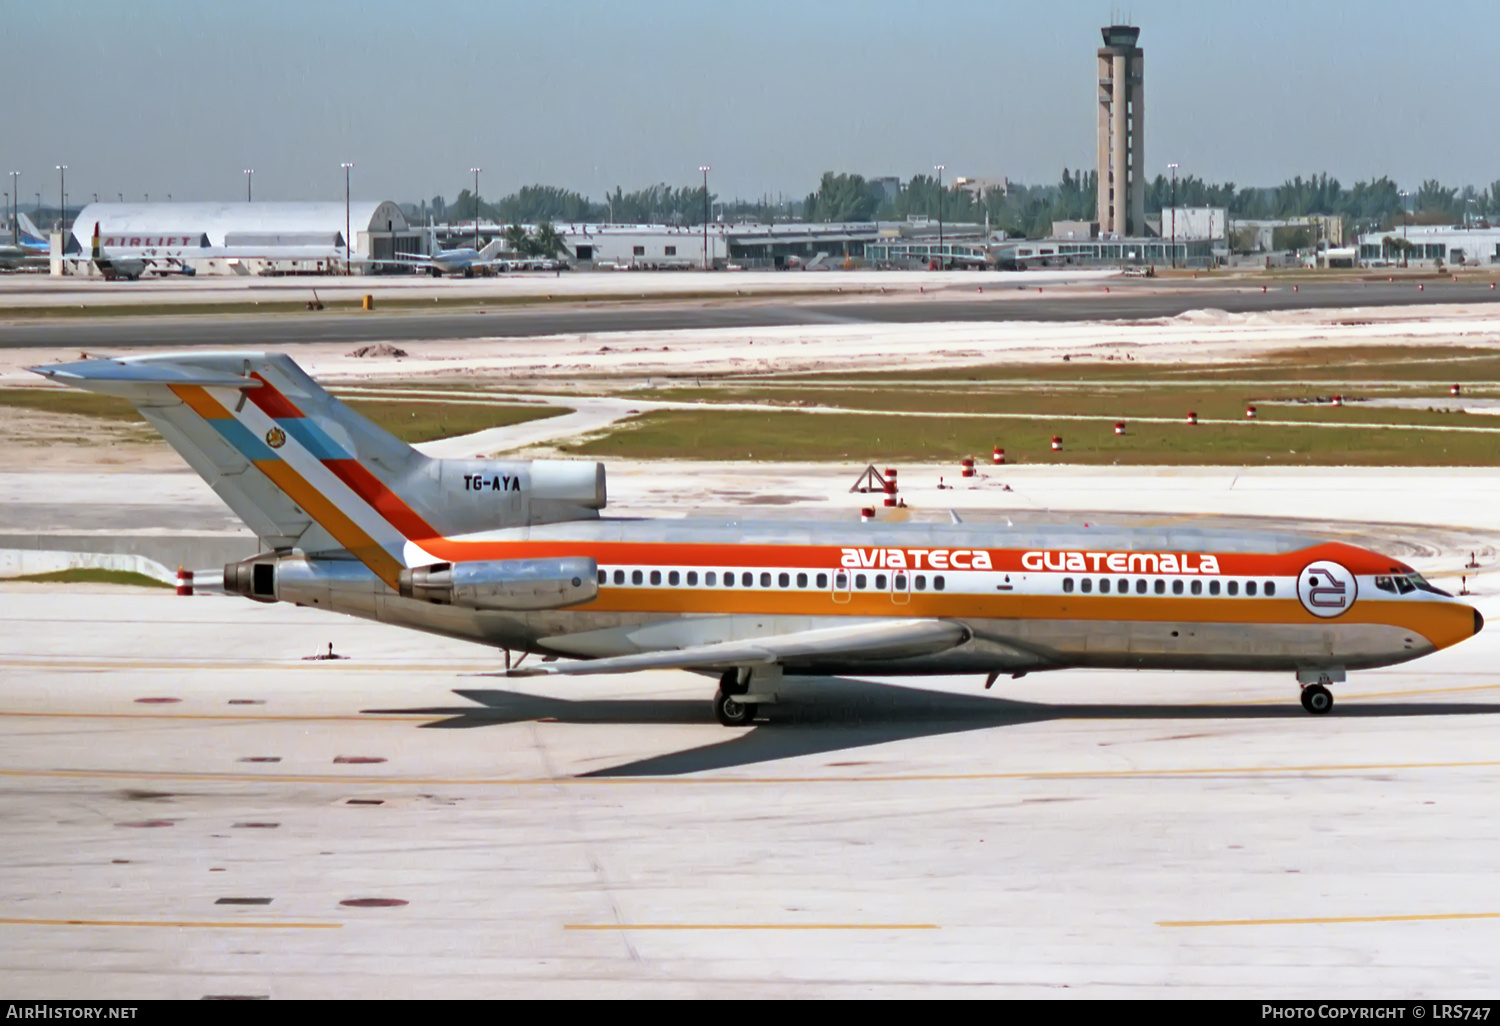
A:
[179,97]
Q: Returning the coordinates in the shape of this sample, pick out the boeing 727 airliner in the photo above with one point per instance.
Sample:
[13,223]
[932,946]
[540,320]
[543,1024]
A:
[515,554]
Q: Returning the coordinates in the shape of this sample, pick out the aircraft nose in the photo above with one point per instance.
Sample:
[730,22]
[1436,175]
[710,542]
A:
[1478,621]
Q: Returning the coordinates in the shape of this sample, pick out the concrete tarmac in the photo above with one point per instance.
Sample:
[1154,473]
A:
[192,809]
[1127,300]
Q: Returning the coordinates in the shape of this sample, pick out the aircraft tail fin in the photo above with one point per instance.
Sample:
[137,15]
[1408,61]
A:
[306,472]
[98,250]
[30,233]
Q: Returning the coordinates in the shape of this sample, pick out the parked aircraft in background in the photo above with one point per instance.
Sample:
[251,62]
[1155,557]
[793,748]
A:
[116,268]
[30,245]
[515,554]
[464,260]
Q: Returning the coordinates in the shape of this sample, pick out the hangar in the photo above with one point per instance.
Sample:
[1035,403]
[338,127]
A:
[243,238]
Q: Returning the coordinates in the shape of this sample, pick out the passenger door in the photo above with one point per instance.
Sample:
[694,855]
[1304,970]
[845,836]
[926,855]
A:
[900,587]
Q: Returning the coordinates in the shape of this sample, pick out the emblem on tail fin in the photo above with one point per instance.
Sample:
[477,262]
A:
[276,438]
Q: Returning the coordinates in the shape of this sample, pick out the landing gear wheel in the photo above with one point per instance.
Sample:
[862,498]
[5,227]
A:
[1317,699]
[731,712]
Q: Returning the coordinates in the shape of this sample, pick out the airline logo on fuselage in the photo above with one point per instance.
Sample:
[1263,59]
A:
[1327,589]
[916,559]
[1121,562]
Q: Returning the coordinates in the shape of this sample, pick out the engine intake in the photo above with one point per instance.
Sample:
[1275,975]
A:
[510,584]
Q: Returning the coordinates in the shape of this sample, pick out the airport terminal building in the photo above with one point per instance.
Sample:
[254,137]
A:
[242,238]
[1429,245]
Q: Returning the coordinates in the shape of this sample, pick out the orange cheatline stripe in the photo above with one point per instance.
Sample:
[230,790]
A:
[195,924]
[344,530]
[387,503]
[334,520]
[1440,623]
[712,555]
[360,480]
[200,402]
[1434,917]
[749,926]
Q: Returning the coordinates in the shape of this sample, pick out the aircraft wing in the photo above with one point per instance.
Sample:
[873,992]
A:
[888,639]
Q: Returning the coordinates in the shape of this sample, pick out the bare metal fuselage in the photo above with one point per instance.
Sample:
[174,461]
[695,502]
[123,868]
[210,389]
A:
[1016,621]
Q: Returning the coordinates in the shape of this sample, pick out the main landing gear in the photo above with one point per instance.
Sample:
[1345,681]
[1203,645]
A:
[729,708]
[732,712]
[1316,698]
[742,691]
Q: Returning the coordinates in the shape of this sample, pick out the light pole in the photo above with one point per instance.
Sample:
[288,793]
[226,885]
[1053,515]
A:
[249,177]
[62,194]
[939,169]
[475,171]
[346,166]
[121,195]
[705,169]
[1403,195]
[1173,169]
[15,188]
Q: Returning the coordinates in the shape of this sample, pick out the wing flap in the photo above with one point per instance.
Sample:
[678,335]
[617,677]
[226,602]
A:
[890,639]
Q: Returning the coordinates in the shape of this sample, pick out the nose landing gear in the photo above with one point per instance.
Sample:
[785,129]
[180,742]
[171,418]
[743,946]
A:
[1317,699]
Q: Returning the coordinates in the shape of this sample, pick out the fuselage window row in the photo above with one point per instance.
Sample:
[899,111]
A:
[769,579]
[1159,586]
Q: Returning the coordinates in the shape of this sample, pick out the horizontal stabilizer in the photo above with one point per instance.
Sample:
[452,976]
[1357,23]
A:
[89,373]
[889,639]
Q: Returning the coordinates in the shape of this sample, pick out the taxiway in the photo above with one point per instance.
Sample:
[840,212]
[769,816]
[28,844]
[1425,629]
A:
[195,809]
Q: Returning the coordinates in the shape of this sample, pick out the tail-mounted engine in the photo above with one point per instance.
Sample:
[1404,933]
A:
[511,584]
[254,578]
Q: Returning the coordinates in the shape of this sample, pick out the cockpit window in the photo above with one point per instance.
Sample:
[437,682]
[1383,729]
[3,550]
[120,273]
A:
[1406,582]
[1425,585]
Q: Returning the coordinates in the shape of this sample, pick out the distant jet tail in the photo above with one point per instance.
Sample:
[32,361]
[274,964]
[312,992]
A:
[31,235]
[98,250]
[306,472]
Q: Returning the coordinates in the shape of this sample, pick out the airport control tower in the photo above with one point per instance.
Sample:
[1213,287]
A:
[1122,133]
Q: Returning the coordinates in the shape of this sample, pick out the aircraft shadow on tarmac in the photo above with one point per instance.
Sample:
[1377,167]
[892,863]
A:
[835,714]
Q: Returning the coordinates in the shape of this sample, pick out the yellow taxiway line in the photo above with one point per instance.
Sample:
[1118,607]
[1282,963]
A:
[106,665]
[889,778]
[195,924]
[749,926]
[1435,917]
[245,717]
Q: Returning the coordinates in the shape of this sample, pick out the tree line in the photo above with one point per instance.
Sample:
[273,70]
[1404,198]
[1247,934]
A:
[534,204]
[1016,208]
